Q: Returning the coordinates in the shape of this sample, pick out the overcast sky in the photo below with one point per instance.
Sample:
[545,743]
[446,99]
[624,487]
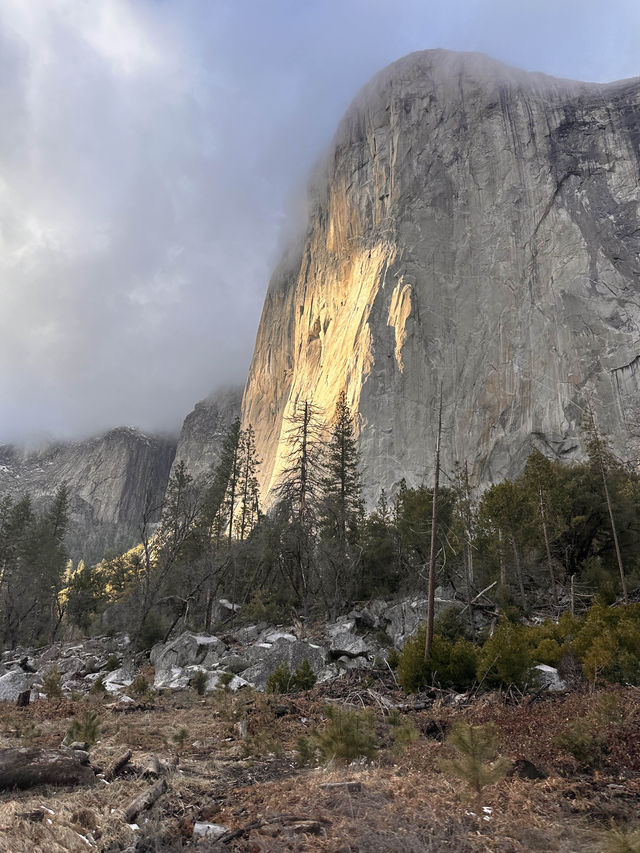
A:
[152,151]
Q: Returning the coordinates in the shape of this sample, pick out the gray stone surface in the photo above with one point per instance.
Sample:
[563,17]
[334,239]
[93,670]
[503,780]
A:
[204,429]
[475,228]
[12,684]
[108,477]
[282,651]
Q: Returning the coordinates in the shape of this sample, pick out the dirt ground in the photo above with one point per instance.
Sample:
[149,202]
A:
[232,760]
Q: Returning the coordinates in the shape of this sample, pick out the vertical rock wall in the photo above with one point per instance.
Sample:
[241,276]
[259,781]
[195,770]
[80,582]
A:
[474,227]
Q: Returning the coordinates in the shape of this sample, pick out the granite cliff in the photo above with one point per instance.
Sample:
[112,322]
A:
[475,228]
[204,429]
[109,478]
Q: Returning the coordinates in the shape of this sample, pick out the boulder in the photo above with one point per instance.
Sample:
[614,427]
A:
[548,677]
[186,650]
[404,618]
[118,679]
[234,663]
[291,652]
[12,684]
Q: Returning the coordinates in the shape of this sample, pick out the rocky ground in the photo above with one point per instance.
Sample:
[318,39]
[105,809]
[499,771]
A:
[227,764]
[225,769]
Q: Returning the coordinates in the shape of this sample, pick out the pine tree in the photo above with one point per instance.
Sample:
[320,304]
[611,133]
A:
[299,493]
[248,493]
[602,460]
[477,761]
[342,507]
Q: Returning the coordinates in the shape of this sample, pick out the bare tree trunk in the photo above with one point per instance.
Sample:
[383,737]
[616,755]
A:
[623,579]
[552,576]
[432,550]
[516,560]
[503,568]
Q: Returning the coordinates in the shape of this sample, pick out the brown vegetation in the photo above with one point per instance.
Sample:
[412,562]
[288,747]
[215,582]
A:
[236,766]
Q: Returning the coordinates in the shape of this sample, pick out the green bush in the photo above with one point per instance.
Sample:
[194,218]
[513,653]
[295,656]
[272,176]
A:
[152,632]
[98,687]
[548,651]
[505,658]
[85,730]
[304,677]
[450,664]
[450,624]
[113,663]
[140,686]
[349,735]
[282,680]
[622,840]
[608,643]
[580,739]
[477,761]
[199,682]
[52,683]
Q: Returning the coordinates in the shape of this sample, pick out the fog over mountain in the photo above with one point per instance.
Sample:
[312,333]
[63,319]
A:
[153,158]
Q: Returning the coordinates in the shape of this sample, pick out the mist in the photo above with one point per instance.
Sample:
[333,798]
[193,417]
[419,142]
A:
[153,163]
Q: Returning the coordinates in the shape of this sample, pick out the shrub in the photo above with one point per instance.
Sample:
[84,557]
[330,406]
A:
[393,658]
[304,677]
[579,739]
[52,683]
[85,730]
[401,729]
[548,651]
[180,737]
[608,643]
[98,685]
[477,761]
[505,657]
[113,663]
[152,632]
[450,664]
[140,685]
[622,841]
[450,624]
[282,680]
[224,681]
[348,736]
[199,682]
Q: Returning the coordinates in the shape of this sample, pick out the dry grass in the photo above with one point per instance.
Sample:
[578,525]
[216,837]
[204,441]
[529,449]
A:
[405,803]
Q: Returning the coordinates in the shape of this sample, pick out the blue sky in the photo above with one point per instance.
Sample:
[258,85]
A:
[153,155]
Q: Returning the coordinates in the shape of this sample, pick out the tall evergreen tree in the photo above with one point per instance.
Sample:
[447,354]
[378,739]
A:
[342,508]
[299,493]
[248,493]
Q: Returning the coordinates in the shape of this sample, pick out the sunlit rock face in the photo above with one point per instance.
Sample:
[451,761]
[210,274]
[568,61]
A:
[204,430]
[474,228]
[112,480]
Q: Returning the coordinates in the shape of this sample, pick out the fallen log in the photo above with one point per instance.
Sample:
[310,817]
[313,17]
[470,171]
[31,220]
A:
[145,801]
[152,768]
[26,767]
[117,764]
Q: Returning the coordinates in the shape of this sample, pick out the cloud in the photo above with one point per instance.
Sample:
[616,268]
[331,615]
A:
[150,153]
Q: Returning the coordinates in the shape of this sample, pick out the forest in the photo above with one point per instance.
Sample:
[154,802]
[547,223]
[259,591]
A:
[558,539]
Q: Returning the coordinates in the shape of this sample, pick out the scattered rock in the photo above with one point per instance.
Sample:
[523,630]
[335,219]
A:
[548,677]
[13,684]
[212,831]
[291,652]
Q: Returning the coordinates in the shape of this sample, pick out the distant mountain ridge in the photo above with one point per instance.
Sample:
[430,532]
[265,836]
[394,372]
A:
[110,477]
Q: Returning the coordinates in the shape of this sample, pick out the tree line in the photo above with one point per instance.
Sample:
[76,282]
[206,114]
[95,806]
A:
[554,537]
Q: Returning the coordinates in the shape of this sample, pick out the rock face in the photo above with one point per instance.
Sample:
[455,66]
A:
[204,430]
[475,228]
[109,478]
